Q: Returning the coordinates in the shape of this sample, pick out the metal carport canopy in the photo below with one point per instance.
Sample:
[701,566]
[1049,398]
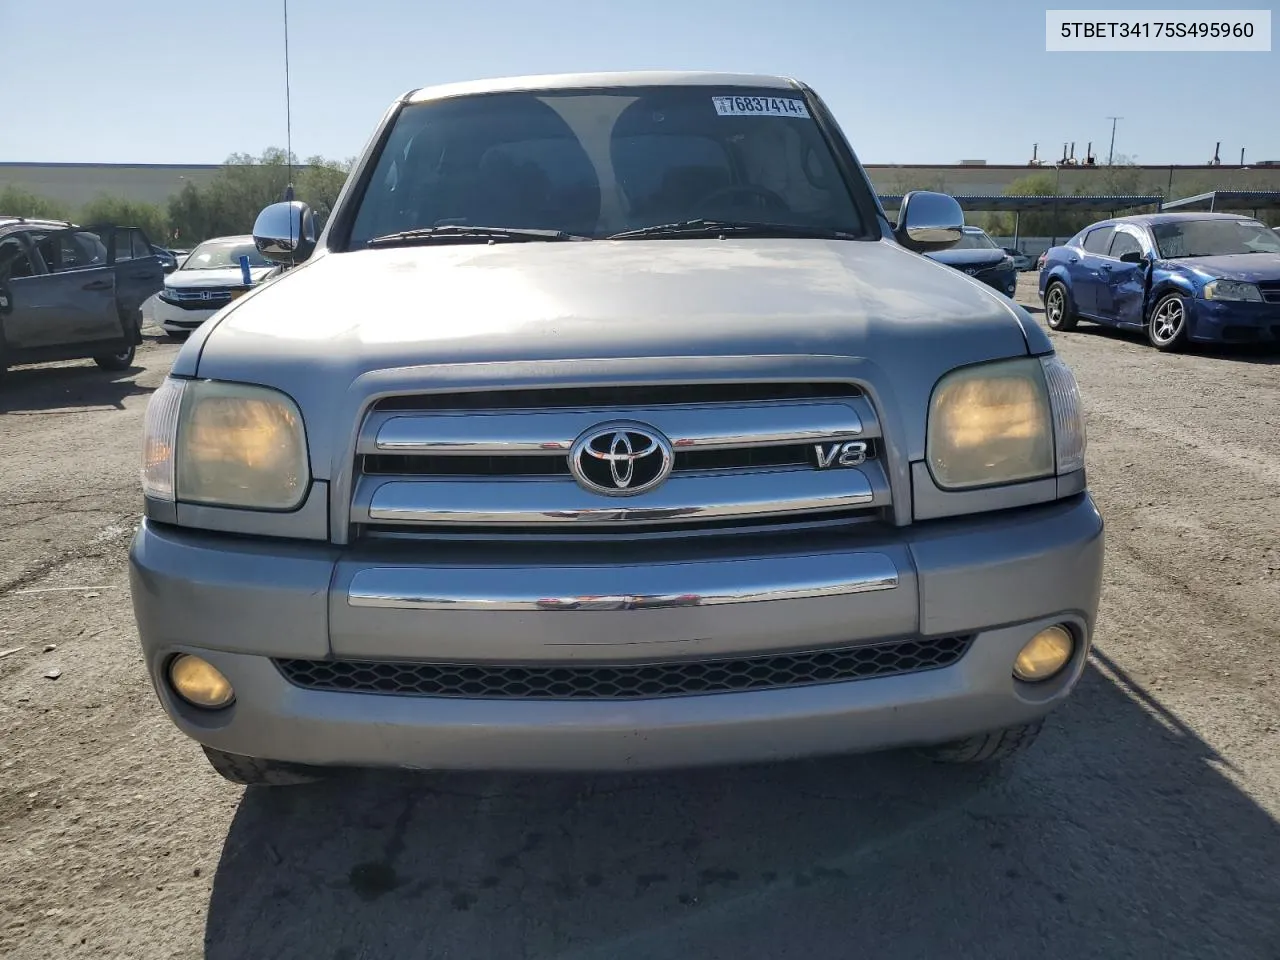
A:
[1002,204]
[990,203]
[1254,200]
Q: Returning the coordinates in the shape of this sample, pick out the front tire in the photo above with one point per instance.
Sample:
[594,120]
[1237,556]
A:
[124,359]
[252,772]
[986,747]
[117,361]
[1167,328]
[1057,307]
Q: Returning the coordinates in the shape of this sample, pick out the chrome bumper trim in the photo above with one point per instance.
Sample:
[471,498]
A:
[668,585]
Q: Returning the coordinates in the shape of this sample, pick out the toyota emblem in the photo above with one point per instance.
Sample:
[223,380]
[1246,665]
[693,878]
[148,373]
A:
[621,459]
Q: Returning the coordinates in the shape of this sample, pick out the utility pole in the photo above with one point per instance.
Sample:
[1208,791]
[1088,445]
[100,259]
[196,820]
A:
[1111,152]
[1057,192]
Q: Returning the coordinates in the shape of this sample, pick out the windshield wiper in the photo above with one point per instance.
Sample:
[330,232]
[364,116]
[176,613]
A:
[464,232]
[718,227]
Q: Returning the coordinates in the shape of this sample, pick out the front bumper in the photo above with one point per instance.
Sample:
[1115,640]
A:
[1006,281]
[175,319]
[1231,321]
[242,603]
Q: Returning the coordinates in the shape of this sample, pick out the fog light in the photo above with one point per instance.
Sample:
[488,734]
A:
[199,683]
[1045,654]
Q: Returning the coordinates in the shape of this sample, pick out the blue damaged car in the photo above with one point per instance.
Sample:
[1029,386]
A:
[1180,277]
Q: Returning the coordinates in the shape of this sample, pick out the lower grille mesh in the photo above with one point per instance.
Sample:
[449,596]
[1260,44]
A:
[624,681]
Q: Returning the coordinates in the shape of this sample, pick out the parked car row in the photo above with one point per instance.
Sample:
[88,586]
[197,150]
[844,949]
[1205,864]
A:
[1179,277]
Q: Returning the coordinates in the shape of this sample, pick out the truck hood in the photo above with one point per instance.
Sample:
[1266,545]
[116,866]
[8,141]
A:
[318,328]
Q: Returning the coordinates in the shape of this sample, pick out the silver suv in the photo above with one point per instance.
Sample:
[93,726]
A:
[609,424]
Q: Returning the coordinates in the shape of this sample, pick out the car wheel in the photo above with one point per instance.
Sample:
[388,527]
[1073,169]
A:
[1057,307]
[986,747]
[252,772]
[117,361]
[1167,328]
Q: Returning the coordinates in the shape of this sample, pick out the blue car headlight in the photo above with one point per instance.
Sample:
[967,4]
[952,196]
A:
[1232,290]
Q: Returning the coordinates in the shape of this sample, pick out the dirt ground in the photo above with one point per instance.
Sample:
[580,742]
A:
[1144,824]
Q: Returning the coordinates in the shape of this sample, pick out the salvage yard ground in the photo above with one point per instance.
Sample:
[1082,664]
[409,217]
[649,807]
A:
[1144,824]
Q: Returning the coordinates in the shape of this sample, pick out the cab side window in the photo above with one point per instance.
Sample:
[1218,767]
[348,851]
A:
[1096,240]
[1124,243]
[120,246]
[15,262]
[46,245]
[90,250]
[140,246]
[71,250]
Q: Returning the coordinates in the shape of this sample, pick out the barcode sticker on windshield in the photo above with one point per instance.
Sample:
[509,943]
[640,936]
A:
[760,107]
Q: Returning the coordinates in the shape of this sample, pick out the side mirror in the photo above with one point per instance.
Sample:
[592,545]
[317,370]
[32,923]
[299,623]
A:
[1133,256]
[285,232]
[929,221]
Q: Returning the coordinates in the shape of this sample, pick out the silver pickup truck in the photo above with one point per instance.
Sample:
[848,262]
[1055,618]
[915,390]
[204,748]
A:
[610,424]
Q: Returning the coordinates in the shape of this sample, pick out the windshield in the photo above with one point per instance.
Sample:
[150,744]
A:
[974,241]
[1213,238]
[221,254]
[595,163]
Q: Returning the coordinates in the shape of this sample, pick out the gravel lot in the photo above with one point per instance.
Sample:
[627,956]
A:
[1144,824]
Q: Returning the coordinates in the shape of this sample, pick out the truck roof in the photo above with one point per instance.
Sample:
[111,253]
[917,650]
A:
[570,81]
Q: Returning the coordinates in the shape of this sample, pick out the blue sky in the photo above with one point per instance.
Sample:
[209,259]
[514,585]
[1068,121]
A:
[910,81]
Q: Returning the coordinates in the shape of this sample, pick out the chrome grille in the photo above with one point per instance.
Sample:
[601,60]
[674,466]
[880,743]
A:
[199,298]
[624,395]
[693,461]
[501,460]
[1270,291]
[625,681]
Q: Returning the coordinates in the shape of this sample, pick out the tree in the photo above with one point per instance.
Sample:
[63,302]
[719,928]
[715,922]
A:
[123,212]
[1121,178]
[320,182]
[1038,184]
[16,202]
[245,184]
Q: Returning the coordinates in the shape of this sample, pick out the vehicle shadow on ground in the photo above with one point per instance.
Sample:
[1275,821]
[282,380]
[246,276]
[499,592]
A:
[28,390]
[1118,835]
[1267,354]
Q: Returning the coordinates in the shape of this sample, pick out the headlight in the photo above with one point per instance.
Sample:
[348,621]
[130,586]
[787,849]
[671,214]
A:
[1006,263]
[1231,290]
[1005,422]
[1069,435]
[224,444]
